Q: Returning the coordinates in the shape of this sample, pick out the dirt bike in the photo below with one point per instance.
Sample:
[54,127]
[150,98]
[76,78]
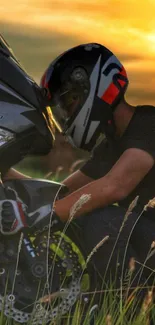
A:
[41,271]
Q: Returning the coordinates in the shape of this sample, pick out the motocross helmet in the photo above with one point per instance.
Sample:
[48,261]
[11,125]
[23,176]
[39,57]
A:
[26,122]
[85,84]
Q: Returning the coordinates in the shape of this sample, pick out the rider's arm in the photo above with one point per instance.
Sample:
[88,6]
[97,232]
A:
[95,167]
[137,150]
[76,180]
[117,184]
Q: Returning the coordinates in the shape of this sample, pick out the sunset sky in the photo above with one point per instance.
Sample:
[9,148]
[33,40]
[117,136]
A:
[40,30]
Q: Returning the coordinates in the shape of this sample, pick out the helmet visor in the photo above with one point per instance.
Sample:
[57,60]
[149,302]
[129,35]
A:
[66,102]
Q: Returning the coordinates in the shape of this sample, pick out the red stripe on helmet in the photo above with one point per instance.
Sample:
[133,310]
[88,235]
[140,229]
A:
[112,91]
[44,84]
[123,72]
[43,81]
[110,94]
[122,82]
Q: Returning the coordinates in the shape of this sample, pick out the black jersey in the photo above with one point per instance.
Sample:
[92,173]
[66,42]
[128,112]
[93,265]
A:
[140,134]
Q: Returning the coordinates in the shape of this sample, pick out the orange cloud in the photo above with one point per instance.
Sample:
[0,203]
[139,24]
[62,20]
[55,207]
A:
[127,27]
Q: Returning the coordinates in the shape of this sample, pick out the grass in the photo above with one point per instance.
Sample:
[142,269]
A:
[118,307]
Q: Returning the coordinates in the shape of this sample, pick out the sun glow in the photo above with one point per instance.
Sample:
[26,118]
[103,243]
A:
[151,41]
[127,27]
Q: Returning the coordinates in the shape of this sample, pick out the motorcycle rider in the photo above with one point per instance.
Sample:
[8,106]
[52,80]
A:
[86,86]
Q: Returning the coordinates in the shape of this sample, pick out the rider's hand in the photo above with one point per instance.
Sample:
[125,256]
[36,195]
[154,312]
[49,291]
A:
[14,215]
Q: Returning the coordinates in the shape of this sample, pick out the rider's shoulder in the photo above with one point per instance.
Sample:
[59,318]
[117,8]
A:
[145,109]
